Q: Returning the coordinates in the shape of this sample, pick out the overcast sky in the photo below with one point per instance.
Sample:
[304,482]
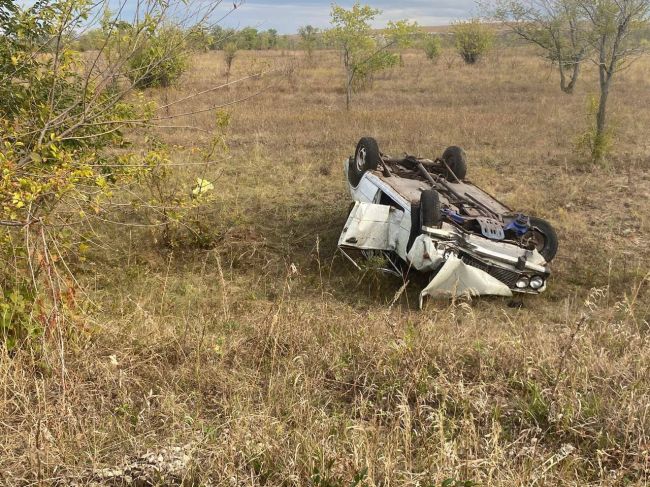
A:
[287,15]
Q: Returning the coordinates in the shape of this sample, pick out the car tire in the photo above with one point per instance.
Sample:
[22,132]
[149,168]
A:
[366,158]
[430,215]
[545,238]
[456,161]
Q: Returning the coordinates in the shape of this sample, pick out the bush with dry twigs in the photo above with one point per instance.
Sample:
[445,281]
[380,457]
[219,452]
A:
[67,122]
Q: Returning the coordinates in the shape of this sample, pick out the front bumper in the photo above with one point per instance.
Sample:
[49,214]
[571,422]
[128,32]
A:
[472,268]
[461,263]
[455,278]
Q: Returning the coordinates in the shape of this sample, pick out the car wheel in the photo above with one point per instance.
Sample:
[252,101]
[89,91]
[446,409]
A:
[430,209]
[542,237]
[366,158]
[456,161]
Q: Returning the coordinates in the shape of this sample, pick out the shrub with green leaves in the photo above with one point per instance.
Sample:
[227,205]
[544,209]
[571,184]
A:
[229,53]
[90,41]
[20,321]
[309,38]
[199,39]
[597,145]
[473,39]
[432,48]
[160,60]
[64,154]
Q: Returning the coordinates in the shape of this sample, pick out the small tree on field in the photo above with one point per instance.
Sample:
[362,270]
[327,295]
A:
[571,31]
[221,36]
[229,52]
[432,48]
[473,39]
[272,38]
[611,25]
[91,40]
[248,38]
[559,27]
[362,53]
[308,39]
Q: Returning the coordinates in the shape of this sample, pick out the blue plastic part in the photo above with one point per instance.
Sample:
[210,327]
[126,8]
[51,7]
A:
[520,225]
[452,215]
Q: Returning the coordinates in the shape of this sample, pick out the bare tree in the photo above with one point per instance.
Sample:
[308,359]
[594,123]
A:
[570,31]
[556,26]
[611,24]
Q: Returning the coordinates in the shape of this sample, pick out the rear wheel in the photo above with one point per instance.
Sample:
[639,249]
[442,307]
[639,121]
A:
[366,158]
[542,237]
[430,209]
[456,163]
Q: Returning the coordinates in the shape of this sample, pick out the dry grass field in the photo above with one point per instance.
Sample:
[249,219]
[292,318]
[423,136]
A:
[267,360]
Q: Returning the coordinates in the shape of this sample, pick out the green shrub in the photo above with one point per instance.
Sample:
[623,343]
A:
[362,53]
[160,61]
[432,48]
[229,52]
[596,146]
[63,151]
[18,317]
[473,39]
[90,41]
[309,37]
[199,39]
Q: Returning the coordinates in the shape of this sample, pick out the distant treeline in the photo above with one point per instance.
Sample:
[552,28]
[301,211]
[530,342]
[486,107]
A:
[204,39]
[247,38]
[250,38]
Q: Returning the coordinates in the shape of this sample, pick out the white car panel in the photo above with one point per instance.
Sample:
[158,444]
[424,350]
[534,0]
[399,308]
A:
[372,227]
[455,279]
[424,255]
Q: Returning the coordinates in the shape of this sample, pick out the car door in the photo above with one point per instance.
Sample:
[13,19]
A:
[372,226]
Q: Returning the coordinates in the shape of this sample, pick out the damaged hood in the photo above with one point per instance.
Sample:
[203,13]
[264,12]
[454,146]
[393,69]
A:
[456,279]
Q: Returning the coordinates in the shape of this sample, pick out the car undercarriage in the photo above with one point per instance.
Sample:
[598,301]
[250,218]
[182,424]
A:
[418,214]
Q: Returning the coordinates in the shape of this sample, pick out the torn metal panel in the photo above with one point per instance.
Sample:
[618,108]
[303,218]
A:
[403,233]
[455,278]
[424,255]
[491,228]
[506,253]
[372,227]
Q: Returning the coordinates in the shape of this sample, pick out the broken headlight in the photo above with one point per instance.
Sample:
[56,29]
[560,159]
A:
[537,282]
[522,283]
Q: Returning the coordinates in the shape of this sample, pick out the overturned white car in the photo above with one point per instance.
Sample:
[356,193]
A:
[422,214]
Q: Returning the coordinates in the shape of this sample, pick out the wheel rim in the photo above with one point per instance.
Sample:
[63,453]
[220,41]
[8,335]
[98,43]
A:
[360,160]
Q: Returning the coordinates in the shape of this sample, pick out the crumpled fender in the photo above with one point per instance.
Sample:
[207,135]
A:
[455,278]
[423,255]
